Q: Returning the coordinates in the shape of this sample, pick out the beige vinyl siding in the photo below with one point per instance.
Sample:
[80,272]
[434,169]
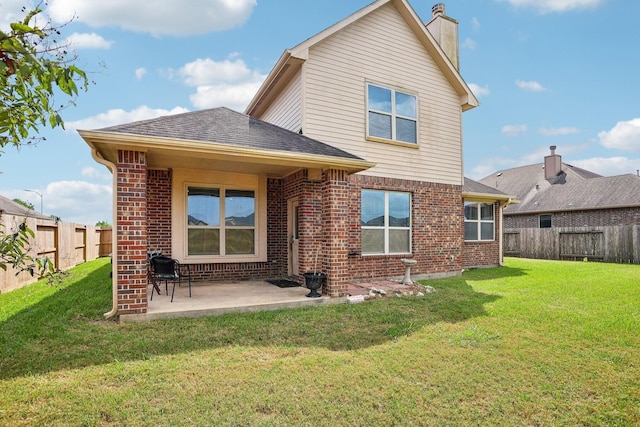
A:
[286,110]
[382,49]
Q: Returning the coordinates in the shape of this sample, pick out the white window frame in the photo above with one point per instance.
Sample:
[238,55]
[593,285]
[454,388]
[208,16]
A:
[394,116]
[386,227]
[185,178]
[479,221]
[222,226]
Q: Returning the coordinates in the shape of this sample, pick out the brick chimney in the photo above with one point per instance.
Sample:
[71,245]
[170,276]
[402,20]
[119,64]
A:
[552,164]
[445,31]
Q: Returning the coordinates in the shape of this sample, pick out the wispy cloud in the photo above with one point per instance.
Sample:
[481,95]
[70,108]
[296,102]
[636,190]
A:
[514,130]
[531,86]
[549,6]
[140,72]
[478,90]
[88,41]
[558,131]
[119,116]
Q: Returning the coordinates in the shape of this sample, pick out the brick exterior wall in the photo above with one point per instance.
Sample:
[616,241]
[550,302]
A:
[437,229]
[584,218]
[329,224]
[483,254]
[131,232]
[159,211]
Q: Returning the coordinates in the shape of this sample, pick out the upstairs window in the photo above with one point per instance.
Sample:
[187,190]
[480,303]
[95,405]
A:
[392,114]
[479,221]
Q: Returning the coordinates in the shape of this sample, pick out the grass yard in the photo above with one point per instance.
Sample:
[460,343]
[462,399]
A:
[535,343]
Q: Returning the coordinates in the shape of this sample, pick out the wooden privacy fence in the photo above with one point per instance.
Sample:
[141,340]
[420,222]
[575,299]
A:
[65,244]
[619,244]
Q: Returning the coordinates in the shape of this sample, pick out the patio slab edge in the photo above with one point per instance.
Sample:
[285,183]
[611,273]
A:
[145,317]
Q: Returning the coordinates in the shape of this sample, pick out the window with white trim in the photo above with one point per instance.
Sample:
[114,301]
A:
[479,221]
[385,222]
[207,234]
[392,114]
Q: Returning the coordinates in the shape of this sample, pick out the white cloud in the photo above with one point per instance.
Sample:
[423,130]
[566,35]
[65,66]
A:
[236,97]
[162,17]
[548,6]
[609,166]
[119,116]
[475,23]
[79,202]
[468,43]
[513,130]
[623,136]
[531,86]
[93,173]
[478,90]
[88,41]
[228,83]
[140,72]
[558,131]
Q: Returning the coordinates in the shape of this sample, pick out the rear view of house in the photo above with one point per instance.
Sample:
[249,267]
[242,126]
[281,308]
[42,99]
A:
[348,159]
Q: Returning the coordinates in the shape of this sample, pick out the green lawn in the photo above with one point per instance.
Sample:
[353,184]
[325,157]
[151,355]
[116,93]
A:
[535,343]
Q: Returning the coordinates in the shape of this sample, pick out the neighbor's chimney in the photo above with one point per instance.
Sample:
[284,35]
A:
[552,164]
[445,31]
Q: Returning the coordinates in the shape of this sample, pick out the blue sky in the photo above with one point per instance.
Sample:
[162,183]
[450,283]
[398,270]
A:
[546,72]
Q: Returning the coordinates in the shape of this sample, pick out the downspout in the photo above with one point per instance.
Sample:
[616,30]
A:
[114,236]
[500,232]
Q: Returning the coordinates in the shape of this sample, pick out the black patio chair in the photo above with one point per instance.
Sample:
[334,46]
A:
[168,269]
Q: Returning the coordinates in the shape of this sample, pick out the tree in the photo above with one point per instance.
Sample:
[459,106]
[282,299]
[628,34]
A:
[34,68]
[103,224]
[27,205]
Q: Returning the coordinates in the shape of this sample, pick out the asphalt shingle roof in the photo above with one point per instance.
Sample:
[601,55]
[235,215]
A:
[10,207]
[224,126]
[572,189]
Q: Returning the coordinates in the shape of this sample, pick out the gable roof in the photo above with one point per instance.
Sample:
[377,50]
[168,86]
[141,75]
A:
[222,132]
[8,206]
[572,189]
[478,191]
[292,59]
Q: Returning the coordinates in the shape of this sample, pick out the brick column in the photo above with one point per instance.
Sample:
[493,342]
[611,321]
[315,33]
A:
[335,218]
[131,232]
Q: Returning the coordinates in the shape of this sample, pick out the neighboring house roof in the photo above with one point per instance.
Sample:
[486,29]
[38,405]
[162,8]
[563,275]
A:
[571,189]
[476,190]
[292,59]
[219,132]
[8,206]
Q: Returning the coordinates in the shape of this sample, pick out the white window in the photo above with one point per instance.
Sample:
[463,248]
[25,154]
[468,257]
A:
[221,222]
[392,114]
[479,221]
[386,222]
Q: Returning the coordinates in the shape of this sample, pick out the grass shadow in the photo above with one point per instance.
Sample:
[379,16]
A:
[67,331]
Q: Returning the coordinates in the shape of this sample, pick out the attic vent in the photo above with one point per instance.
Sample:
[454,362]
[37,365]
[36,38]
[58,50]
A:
[437,9]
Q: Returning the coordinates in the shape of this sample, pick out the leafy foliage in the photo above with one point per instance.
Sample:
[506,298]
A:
[15,252]
[103,223]
[33,69]
[26,204]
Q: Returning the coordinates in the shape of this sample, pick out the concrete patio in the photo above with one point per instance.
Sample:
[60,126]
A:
[210,299]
